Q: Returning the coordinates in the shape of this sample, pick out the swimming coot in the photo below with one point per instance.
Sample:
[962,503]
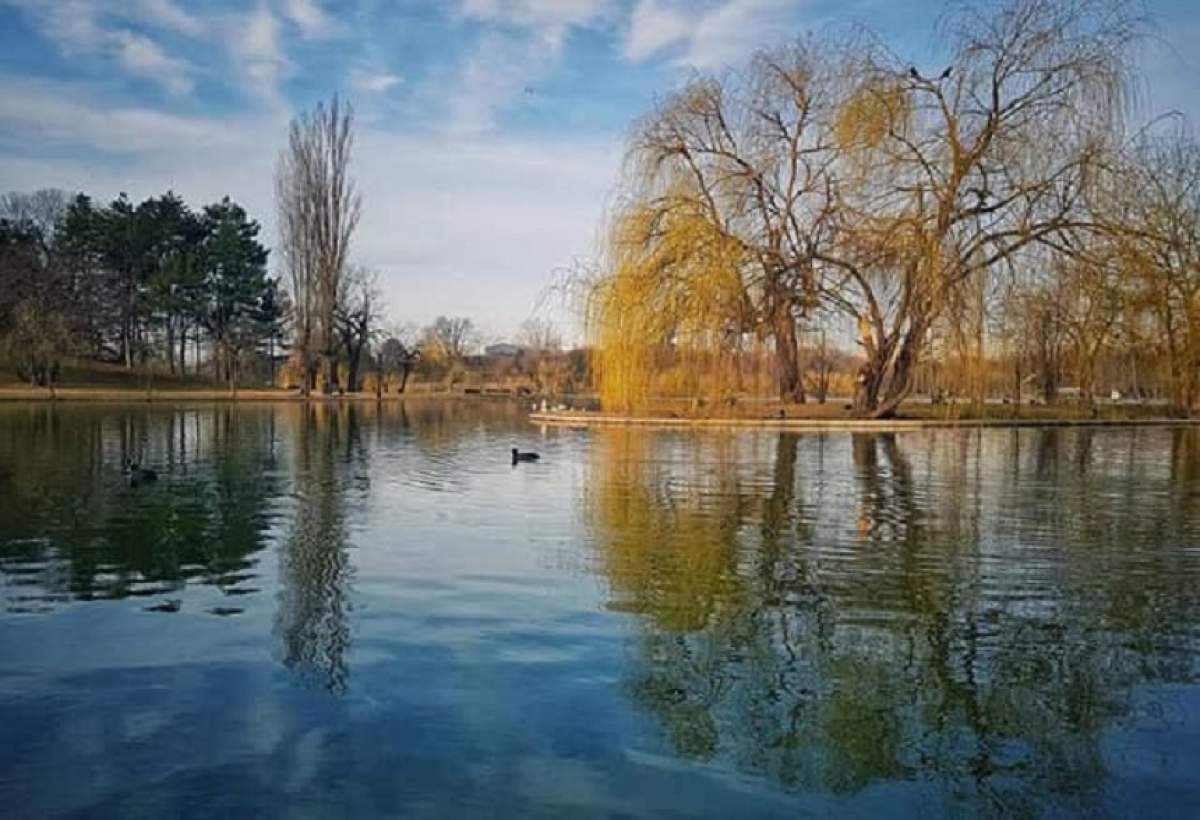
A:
[138,474]
[519,456]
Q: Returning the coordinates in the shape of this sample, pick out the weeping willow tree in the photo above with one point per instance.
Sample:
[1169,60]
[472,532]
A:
[674,291]
[989,158]
[850,181]
[727,204]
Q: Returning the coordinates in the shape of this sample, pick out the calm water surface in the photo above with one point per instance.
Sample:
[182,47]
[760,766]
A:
[327,611]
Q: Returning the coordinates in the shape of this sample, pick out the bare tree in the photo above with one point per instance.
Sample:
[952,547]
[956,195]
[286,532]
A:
[399,353]
[38,322]
[448,339]
[540,335]
[357,316]
[297,249]
[42,210]
[319,209]
[1159,234]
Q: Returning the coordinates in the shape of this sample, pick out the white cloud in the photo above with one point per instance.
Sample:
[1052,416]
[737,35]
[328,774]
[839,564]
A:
[72,25]
[523,44]
[55,119]
[169,15]
[309,17]
[655,26]
[735,29]
[498,71]
[257,47]
[78,28]
[373,82]
[540,14]
[710,34]
[142,56]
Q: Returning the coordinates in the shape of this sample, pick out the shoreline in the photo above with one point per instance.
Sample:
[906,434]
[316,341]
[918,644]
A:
[581,420]
[126,395]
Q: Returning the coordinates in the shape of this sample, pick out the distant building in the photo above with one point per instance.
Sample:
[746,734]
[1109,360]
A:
[503,350]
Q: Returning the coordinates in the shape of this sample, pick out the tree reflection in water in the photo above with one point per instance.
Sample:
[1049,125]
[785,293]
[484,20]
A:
[968,610]
[312,621]
[74,530]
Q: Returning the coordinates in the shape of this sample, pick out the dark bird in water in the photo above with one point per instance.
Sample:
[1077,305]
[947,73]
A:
[137,474]
[169,605]
[519,456]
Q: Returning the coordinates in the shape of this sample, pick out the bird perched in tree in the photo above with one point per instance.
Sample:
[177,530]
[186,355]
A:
[912,72]
[947,72]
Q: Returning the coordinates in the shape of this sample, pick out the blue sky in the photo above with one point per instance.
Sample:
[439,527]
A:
[490,130]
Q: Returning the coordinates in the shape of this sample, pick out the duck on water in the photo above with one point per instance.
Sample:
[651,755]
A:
[137,474]
[518,456]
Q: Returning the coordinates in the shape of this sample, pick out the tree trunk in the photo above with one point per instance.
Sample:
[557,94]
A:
[885,379]
[787,359]
[171,345]
[866,391]
[898,382]
[182,350]
[231,368]
[405,370]
[329,374]
[1017,384]
[352,366]
[127,344]
[1087,380]
[305,365]
[1184,387]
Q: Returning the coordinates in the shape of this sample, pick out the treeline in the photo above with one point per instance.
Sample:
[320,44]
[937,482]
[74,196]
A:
[134,284]
[997,209]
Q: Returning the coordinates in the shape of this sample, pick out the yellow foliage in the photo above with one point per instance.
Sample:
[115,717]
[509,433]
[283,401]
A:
[672,562]
[674,286]
[876,108]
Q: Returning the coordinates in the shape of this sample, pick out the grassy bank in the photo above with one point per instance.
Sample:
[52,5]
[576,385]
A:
[171,393]
[91,381]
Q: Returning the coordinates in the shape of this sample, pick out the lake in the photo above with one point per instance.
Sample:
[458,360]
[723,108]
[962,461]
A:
[359,611]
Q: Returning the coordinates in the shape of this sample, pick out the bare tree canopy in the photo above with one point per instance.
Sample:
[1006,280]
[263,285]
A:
[448,341]
[319,208]
[540,335]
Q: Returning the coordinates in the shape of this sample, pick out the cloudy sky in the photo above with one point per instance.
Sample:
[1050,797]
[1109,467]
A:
[490,131]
